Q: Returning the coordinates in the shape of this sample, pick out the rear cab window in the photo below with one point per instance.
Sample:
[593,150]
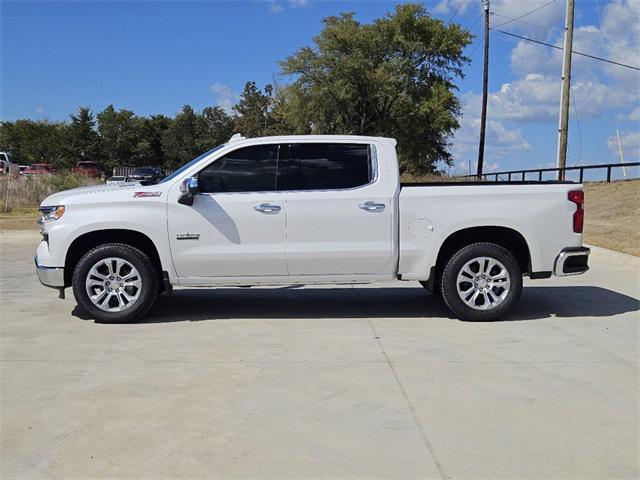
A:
[328,166]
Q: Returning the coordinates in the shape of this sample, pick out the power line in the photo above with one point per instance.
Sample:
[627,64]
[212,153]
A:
[455,12]
[550,28]
[528,13]
[471,29]
[573,51]
[520,21]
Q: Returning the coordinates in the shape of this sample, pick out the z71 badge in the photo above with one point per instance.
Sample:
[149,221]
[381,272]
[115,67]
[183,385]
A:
[146,194]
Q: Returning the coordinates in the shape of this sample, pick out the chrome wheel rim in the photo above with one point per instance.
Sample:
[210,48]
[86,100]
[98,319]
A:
[483,283]
[113,284]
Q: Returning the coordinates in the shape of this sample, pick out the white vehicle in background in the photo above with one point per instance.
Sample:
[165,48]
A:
[116,180]
[307,209]
[5,163]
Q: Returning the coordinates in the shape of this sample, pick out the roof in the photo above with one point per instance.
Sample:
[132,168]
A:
[309,138]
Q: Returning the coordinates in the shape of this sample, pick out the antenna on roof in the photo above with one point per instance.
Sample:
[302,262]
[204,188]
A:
[236,137]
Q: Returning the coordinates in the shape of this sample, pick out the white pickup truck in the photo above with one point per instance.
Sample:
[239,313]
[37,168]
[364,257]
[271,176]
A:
[301,210]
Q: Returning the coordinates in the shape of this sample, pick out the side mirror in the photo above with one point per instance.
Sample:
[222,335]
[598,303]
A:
[188,189]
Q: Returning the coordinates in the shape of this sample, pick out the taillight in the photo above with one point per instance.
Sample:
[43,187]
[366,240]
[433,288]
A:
[577,197]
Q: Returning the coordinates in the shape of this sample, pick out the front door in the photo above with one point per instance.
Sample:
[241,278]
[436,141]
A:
[236,225]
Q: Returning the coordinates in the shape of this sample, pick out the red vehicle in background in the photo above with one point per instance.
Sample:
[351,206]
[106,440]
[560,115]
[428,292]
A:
[39,168]
[90,169]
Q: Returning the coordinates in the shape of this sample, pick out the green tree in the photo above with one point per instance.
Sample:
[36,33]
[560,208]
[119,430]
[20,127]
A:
[392,77]
[34,142]
[216,127]
[180,140]
[119,134]
[253,111]
[83,140]
[148,149]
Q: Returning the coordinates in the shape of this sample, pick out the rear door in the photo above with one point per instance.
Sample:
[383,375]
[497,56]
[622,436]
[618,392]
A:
[339,213]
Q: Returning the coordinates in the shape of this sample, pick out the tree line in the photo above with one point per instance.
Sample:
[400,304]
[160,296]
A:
[392,77]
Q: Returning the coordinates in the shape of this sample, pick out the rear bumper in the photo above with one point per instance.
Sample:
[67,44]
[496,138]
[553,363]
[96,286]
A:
[50,276]
[572,261]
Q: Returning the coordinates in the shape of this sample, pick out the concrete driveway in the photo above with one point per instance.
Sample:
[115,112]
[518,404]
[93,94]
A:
[322,382]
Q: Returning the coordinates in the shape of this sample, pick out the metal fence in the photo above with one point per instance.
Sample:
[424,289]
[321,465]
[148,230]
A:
[521,175]
[127,171]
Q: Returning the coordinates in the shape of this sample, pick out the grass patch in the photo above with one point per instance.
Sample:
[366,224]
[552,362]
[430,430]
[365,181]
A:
[612,212]
[27,191]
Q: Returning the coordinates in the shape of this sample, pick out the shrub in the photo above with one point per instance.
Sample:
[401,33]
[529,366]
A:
[27,191]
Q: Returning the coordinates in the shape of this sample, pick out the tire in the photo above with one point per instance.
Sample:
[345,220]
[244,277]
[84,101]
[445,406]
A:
[130,274]
[469,295]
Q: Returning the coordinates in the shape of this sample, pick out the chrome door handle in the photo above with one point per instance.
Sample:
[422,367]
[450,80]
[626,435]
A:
[372,206]
[267,208]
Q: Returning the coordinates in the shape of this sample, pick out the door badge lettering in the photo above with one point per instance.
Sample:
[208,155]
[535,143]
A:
[188,236]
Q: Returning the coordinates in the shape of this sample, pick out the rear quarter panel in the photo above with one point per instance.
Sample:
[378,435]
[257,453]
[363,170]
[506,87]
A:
[541,213]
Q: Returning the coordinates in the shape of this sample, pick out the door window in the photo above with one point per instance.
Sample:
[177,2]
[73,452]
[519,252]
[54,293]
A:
[249,169]
[325,166]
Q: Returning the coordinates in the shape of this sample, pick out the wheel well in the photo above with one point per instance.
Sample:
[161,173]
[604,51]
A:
[505,237]
[86,242]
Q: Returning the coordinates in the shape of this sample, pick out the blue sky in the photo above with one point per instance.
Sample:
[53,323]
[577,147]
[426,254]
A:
[154,57]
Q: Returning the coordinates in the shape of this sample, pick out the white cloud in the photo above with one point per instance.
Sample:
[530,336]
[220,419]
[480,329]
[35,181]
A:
[528,57]
[536,98]
[470,167]
[449,6]
[634,116]
[500,140]
[541,24]
[630,142]
[224,96]
[276,6]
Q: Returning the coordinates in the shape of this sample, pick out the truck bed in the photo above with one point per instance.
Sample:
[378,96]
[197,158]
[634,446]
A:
[485,183]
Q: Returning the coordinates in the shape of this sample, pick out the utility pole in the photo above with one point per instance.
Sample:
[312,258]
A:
[624,170]
[563,124]
[485,86]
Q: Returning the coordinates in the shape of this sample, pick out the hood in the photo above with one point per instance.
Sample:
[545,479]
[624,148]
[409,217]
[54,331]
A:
[83,194]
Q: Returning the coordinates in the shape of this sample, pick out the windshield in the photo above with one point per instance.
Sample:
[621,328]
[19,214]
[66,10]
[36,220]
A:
[144,171]
[188,165]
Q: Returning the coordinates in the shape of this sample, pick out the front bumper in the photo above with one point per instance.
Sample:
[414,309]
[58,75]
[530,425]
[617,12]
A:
[571,261]
[50,276]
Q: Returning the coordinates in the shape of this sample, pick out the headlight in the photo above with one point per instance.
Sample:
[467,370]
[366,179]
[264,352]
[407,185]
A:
[50,213]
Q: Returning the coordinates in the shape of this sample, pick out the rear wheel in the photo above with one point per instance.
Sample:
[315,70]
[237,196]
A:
[115,283]
[481,282]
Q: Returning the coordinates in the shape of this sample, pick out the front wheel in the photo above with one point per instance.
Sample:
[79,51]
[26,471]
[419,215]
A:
[115,283]
[481,282]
